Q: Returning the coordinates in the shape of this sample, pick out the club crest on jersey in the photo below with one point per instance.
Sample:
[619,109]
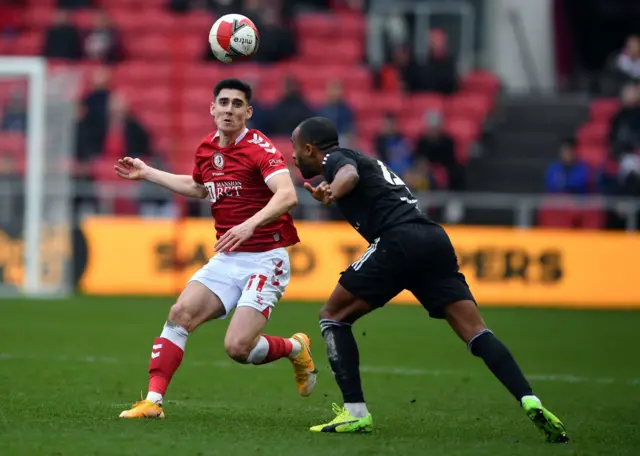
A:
[218,161]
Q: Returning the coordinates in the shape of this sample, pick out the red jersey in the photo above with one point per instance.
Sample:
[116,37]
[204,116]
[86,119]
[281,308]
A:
[236,178]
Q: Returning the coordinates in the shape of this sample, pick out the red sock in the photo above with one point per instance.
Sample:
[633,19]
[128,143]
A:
[279,347]
[165,360]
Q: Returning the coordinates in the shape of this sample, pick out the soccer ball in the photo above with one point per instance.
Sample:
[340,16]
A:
[233,36]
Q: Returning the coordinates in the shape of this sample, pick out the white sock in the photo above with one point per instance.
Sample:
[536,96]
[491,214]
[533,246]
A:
[296,348]
[154,397]
[175,333]
[357,409]
[530,397]
[259,352]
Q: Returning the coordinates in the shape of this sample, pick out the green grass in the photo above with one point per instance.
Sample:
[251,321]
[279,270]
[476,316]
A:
[67,369]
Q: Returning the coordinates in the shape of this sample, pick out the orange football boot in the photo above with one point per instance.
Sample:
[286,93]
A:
[304,369]
[144,409]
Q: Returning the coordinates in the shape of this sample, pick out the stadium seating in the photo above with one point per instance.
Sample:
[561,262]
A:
[168,84]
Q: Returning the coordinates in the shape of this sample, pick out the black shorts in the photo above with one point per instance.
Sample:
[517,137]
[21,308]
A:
[415,257]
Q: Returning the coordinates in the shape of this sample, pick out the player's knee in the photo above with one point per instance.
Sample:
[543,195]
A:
[237,349]
[181,314]
[326,313]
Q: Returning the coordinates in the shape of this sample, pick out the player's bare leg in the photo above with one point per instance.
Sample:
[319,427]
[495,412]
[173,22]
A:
[246,343]
[196,305]
[336,317]
[465,319]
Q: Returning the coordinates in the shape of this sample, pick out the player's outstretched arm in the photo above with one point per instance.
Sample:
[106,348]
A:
[136,169]
[283,200]
[345,181]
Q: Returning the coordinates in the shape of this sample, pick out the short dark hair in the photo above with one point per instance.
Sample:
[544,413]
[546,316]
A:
[319,132]
[568,142]
[234,84]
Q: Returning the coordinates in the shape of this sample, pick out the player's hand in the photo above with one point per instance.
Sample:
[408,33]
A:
[130,168]
[320,193]
[233,238]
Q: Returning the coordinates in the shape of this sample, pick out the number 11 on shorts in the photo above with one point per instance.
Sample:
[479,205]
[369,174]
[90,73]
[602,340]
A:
[261,279]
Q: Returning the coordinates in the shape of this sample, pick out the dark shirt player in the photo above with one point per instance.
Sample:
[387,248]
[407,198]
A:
[407,251]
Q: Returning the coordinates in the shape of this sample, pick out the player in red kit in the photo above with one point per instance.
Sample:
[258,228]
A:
[251,192]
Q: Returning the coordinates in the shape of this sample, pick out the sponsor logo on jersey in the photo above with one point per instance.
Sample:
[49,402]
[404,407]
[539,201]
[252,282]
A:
[275,161]
[218,160]
[220,189]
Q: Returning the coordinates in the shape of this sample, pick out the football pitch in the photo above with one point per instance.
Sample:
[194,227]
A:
[67,369]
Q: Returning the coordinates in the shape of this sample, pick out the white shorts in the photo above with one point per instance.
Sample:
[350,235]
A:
[252,279]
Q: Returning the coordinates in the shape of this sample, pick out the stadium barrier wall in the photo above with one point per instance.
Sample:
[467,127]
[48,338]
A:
[504,266]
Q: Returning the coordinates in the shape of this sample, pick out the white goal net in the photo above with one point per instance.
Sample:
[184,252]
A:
[37,136]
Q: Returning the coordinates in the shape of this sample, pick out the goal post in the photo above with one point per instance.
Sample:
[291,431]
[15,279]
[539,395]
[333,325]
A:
[36,202]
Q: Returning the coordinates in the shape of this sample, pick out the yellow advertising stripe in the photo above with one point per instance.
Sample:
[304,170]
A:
[503,266]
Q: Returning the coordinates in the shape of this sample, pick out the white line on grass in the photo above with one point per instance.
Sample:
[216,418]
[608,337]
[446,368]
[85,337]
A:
[383,370]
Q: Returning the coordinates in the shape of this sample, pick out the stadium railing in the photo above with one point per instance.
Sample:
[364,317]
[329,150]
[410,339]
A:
[524,207]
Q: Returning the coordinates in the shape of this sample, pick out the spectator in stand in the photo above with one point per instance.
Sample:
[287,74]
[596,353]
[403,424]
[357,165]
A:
[97,100]
[420,178]
[628,62]
[441,74]
[607,176]
[124,134]
[75,4]
[219,7]
[179,6]
[260,120]
[277,41]
[290,110]
[625,125]
[629,174]
[396,75]
[63,40]
[567,175]
[436,146]
[15,113]
[392,148]
[338,111]
[102,43]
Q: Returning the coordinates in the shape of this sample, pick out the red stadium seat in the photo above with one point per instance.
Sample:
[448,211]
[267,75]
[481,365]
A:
[38,4]
[283,144]
[555,218]
[350,26]
[315,25]
[28,44]
[157,97]
[411,127]
[197,75]
[84,19]
[481,81]
[197,99]
[315,51]
[369,128]
[469,105]
[603,109]
[40,18]
[13,143]
[151,46]
[144,73]
[133,5]
[593,218]
[571,215]
[418,104]
[593,133]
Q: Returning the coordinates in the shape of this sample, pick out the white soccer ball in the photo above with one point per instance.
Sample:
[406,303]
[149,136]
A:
[232,37]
